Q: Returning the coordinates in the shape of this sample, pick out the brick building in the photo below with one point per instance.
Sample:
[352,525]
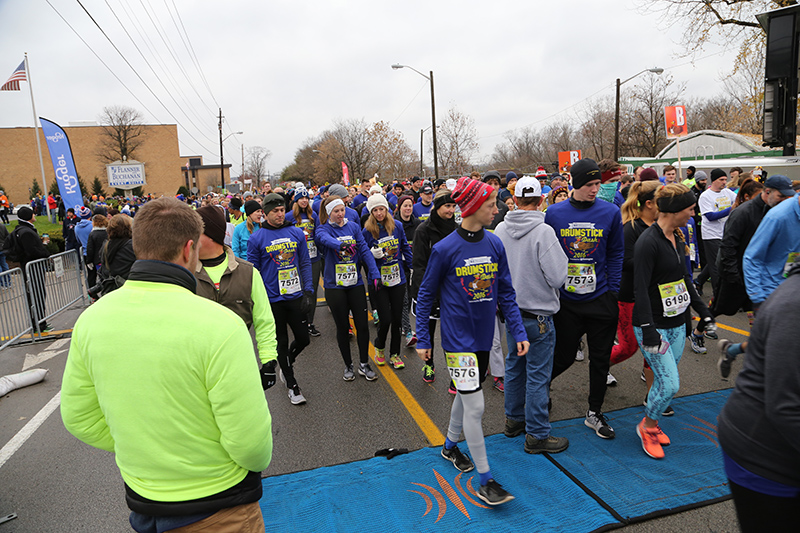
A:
[165,169]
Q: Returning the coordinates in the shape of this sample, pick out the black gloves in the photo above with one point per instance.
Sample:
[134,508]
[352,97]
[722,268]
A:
[268,375]
[307,302]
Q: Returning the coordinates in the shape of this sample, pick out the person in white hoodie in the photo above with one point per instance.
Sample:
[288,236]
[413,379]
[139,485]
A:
[538,268]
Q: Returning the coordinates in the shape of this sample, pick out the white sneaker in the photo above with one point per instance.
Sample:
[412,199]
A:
[295,396]
[611,381]
[579,355]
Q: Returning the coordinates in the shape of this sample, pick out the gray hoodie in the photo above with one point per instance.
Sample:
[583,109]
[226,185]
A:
[537,262]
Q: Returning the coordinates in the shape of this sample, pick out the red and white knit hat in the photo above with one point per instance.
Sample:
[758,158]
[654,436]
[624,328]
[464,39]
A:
[470,195]
[540,173]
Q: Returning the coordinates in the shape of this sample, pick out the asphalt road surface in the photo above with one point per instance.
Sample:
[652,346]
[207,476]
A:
[56,483]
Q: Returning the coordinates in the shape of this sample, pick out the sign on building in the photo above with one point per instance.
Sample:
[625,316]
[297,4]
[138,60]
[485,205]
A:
[126,176]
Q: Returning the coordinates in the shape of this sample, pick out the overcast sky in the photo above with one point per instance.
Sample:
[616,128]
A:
[283,70]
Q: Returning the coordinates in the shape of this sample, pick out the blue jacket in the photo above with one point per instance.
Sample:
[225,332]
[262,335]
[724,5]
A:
[471,280]
[342,265]
[281,255]
[239,240]
[82,231]
[767,255]
[397,252]
[590,236]
[422,212]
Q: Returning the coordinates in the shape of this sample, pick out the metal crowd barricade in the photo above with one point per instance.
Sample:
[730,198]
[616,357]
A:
[15,316]
[54,284]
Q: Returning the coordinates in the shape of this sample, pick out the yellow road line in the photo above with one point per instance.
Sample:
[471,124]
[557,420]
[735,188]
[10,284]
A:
[431,431]
[729,328]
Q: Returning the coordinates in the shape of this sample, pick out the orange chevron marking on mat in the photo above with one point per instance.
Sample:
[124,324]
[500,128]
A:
[464,493]
[428,502]
[451,493]
[709,424]
[703,434]
[469,487]
[439,499]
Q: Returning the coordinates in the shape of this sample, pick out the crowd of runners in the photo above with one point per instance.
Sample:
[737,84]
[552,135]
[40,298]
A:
[594,264]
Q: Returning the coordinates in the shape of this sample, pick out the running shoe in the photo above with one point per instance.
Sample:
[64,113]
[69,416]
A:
[725,360]
[350,332]
[698,344]
[365,370]
[380,358]
[493,493]
[550,444]
[710,334]
[699,288]
[349,375]
[662,437]
[598,422]
[668,411]
[611,381]
[396,362]
[499,385]
[514,428]
[295,396]
[428,374]
[411,339]
[650,443]
[579,354]
[313,331]
[375,319]
[643,376]
[459,460]
[452,388]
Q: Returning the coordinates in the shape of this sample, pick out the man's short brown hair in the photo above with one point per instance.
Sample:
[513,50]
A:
[668,168]
[162,227]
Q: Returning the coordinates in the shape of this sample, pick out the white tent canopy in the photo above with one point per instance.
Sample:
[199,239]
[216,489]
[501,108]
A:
[710,143]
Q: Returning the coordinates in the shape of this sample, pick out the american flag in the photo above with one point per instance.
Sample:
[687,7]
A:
[13,82]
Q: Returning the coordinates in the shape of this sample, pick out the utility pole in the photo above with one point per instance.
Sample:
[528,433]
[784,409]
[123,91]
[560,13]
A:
[433,120]
[421,132]
[243,164]
[221,166]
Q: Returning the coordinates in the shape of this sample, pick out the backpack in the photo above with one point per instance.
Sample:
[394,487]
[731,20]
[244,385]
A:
[11,247]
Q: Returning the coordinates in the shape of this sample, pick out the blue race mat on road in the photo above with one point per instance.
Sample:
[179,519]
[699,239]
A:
[421,491]
[632,483]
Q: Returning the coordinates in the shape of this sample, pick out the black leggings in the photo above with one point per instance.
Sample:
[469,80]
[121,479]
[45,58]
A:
[761,512]
[390,311]
[342,302]
[287,313]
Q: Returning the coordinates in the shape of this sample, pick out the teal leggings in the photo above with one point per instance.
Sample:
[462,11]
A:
[666,380]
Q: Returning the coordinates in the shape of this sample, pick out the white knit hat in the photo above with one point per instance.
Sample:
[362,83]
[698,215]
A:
[375,200]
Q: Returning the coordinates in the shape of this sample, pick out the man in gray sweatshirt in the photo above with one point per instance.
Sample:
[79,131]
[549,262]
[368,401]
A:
[538,268]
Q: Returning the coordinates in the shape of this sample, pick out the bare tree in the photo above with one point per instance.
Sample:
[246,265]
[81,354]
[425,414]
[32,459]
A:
[644,133]
[255,165]
[354,141]
[523,148]
[394,159]
[458,142]
[596,129]
[123,133]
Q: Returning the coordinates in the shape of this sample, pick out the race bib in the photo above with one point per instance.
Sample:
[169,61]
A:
[789,262]
[312,249]
[581,278]
[288,281]
[674,298]
[346,274]
[390,275]
[463,369]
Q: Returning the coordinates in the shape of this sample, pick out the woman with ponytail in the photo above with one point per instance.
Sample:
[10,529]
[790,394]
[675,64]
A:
[303,216]
[663,292]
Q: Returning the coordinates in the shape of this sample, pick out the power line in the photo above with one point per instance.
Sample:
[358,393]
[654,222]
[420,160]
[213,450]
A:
[109,69]
[140,77]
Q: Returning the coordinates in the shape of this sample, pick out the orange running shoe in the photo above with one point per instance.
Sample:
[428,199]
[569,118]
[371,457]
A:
[662,437]
[650,443]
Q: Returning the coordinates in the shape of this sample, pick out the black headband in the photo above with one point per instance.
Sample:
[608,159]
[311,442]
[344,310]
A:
[644,197]
[676,204]
[439,201]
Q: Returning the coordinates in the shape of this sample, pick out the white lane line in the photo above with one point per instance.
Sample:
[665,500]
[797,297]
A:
[27,431]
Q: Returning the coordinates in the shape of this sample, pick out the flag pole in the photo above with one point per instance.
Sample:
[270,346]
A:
[38,143]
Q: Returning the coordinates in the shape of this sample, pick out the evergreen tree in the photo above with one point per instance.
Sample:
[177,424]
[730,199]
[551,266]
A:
[35,188]
[97,187]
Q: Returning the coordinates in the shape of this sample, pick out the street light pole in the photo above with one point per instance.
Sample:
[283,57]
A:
[655,70]
[433,116]
[221,167]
